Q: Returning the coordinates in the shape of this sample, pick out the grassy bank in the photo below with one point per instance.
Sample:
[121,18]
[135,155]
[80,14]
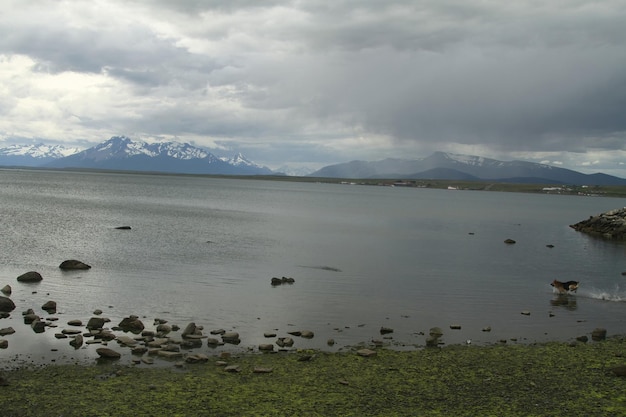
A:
[543,380]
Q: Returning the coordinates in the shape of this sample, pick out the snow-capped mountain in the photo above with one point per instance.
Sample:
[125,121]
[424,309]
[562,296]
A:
[294,172]
[122,153]
[33,155]
[449,166]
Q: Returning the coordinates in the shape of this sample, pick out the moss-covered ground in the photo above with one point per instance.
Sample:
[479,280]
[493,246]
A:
[553,379]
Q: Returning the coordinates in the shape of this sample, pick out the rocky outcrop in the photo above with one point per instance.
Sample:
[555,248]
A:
[609,225]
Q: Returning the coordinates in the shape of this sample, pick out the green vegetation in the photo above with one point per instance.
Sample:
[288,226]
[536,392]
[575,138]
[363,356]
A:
[514,380]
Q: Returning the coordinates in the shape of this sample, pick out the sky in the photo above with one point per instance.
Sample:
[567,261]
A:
[318,82]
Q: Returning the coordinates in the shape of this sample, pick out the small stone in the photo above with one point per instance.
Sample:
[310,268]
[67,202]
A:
[307,334]
[49,306]
[386,330]
[436,332]
[4,343]
[77,341]
[582,338]
[526,313]
[487,329]
[330,342]
[6,290]
[455,326]
[231,337]
[266,347]
[197,358]
[509,241]
[232,368]
[366,353]
[74,323]
[269,334]
[7,331]
[598,334]
[619,370]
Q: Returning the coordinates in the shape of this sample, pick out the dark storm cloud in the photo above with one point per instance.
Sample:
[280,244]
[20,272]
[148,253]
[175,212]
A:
[353,79]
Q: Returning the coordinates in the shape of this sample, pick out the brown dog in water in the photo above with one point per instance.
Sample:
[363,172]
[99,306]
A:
[564,287]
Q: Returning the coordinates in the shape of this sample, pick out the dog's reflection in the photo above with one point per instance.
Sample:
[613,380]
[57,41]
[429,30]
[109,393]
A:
[564,300]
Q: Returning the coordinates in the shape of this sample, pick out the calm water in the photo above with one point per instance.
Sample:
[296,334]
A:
[205,250]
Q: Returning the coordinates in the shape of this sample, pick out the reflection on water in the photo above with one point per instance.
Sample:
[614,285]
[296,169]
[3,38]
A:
[564,300]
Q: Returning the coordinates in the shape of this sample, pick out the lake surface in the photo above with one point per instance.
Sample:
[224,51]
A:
[204,250]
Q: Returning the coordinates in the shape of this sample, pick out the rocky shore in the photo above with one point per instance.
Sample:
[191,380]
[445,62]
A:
[609,225]
[556,379]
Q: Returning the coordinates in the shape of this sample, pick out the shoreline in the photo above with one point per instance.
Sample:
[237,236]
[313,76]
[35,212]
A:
[553,378]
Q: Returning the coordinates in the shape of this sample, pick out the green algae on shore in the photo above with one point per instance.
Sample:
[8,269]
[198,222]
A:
[548,379]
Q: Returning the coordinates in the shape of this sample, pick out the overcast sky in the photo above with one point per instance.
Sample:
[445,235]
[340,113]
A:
[318,82]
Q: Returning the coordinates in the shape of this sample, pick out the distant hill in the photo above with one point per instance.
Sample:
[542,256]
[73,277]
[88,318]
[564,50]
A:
[448,166]
[122,153]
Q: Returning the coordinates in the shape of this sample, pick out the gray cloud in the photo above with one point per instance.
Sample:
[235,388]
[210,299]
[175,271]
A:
[325,82]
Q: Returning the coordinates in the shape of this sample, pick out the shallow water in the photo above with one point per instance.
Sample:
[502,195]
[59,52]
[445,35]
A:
[205,249]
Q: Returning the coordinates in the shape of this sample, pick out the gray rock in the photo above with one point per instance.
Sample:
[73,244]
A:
[266,347]
[49,306]
[6,290]
[366,352]
[284,342]
[73,264]
[598,334]
[189,329]
[38,326]
[126,341]
[386,330]
[307,334]
[77,341]
[6,304]
[31,276]
[4,343]
[131,324]
[107,353]
[509,241]
[436,332]
[231,337]
[96,322]
[197,358]
[7,331]
[30,318]
[75,323]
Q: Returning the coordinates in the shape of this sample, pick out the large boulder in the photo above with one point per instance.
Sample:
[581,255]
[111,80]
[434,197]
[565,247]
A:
[609,225]
[31,276]
[6,304]
[72,264]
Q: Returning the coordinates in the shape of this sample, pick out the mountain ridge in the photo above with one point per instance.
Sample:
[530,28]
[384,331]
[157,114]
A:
[443,165]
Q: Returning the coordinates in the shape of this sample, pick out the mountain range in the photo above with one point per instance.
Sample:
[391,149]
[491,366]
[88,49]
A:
[449,166]
[122,153]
